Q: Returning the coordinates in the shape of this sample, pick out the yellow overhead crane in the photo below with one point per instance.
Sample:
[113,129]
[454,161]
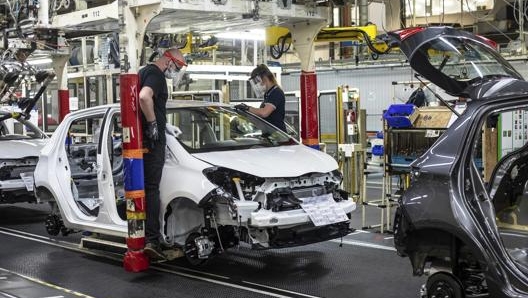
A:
[279,38]
[194,44]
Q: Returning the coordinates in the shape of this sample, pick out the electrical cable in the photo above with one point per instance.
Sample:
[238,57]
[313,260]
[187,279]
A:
[382,18]
[515,17]
[469,10]
[280,48]
[218,233]
[443,11]
[11,12]
[525,9]
[370,45]
[488,22]
[413,12]
[51,9]
[426,18]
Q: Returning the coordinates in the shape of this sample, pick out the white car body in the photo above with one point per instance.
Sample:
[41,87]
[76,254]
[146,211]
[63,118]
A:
[196,206]
[20,144]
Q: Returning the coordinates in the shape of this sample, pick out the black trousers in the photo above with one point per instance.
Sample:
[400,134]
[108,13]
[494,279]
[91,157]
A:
[153,166]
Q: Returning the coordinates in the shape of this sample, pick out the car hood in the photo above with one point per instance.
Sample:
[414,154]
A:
[283,161]
[21,148]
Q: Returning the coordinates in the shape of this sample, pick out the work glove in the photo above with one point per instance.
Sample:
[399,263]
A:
[242,107]
[152,132]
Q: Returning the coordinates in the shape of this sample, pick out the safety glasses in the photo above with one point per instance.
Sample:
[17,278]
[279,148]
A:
[176,74]
[177,62]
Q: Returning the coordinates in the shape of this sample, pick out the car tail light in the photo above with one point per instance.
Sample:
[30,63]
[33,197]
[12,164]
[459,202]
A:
[489,42]
[408,32]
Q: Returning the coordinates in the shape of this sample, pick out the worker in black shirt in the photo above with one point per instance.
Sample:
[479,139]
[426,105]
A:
[153,96]
[265,85]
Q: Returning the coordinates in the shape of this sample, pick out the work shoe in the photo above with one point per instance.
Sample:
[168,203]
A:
[154,252]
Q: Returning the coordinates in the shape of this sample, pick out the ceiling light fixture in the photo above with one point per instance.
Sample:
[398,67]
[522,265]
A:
[40,61]
[253,34]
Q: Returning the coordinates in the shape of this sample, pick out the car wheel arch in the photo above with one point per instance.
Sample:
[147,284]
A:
[44,194]
[181,217]
[429,245]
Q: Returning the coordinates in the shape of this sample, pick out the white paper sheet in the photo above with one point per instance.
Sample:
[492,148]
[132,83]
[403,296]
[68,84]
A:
[323,210]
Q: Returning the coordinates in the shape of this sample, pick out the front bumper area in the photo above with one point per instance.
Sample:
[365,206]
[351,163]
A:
[303,235]
[267,219]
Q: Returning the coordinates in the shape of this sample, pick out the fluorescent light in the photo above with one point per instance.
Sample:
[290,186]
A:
[253,34]
[40,61]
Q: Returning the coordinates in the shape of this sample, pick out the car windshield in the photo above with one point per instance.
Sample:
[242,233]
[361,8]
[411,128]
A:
[217,128]
[18,129]
[464,59]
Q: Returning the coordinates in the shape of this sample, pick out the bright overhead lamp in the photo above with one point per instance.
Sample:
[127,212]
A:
[253,34]
[39,61]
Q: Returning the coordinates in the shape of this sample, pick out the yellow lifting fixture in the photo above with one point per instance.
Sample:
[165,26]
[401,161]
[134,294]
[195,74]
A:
[279,38]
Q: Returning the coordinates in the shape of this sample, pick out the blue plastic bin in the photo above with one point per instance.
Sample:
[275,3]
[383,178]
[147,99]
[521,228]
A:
[397,115]
[377,150]
[402,159]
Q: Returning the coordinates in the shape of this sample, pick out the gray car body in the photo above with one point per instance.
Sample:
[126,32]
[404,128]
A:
[446,211]
[444,200]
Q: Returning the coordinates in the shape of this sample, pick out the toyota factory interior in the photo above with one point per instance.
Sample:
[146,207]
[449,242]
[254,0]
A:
[263,148]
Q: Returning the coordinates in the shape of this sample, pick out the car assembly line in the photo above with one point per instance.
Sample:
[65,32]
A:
[227,191]
[375,179]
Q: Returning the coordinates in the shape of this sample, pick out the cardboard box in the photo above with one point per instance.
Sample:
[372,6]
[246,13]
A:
[431,117]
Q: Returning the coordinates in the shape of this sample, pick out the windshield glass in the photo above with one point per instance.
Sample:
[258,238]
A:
[18,129]
[464,59]
[216,128]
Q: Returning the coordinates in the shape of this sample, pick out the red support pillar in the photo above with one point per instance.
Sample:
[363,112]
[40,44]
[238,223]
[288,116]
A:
[135,260]
[64,104]
[303,36]
[309,110]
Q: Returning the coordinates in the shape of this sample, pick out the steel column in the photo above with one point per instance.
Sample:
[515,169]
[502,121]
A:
[43,13]
[133,24]
[363,12]
[135,260]
[303,35]
[59,67]
[64,104]
[309,110]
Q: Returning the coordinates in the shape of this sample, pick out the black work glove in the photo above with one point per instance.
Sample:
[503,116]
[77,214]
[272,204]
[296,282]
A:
[152,132]
[242,107]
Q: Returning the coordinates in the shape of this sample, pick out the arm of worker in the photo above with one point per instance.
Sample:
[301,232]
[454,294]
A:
[146,102]
[264,111]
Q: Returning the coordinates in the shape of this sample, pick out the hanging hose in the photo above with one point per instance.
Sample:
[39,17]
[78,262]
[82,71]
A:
[281,47]
[370,45]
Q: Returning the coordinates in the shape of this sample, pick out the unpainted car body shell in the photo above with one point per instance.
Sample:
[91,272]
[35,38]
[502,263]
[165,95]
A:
[183,185]
[18,154]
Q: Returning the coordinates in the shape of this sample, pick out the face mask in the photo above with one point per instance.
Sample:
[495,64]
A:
[174,74]
[258,86]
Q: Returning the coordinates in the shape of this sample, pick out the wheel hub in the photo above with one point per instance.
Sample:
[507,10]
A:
[442,289]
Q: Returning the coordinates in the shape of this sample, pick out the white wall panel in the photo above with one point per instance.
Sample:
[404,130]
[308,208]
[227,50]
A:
[375,87]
